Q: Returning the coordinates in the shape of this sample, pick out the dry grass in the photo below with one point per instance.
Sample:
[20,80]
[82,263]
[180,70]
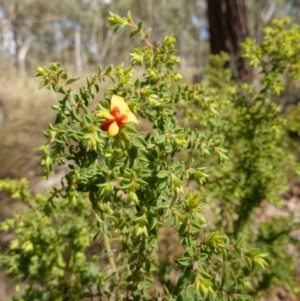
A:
[26,115]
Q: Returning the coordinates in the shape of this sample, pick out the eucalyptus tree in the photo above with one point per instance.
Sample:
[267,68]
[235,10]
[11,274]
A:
[228,27]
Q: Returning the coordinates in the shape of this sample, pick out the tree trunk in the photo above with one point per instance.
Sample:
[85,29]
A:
[22,51]
[22,38]
[264,13]
[78,58]
[228,25]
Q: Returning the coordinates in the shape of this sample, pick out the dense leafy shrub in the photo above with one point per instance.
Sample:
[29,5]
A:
[252,129]
[97,236]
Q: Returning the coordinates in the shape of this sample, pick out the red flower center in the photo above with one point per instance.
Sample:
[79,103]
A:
[106,124]
[119,118]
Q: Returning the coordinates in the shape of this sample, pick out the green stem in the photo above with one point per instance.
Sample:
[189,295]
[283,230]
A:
[109,252]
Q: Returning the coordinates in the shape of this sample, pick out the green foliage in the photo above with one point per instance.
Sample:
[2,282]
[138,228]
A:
[277,54]
[98,234]
[253,131]
[50,251]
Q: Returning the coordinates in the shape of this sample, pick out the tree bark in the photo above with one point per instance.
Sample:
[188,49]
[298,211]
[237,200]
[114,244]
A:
[228,25]
[22,51]
[78,58]
[22,37]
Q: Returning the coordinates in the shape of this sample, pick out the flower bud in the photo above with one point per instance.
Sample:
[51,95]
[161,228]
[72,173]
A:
[132,197]
[39,71]
[72,197]
[201,219]
[107,189]
[203,290]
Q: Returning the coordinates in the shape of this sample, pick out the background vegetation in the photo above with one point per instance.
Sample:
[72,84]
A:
[257,125]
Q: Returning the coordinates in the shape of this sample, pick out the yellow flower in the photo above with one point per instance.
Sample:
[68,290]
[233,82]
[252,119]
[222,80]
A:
[118,116]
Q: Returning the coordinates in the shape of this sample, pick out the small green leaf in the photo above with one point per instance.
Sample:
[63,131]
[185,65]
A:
[162,174]
[72,80]
[139,142]
[109,69]
[224,255]
[239,241]
[238,251]
[133,33]
[133,153]
[249,263]
[255,251]
[140,25]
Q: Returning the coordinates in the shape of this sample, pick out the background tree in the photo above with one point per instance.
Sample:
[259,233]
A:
[228,27]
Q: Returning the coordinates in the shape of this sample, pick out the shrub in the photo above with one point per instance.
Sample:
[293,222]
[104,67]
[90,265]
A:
[96,236]
[252,129]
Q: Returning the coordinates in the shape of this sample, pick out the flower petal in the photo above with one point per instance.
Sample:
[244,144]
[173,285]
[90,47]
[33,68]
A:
[106,115]
[117,104]
[106,124]
[117,101]
[113,129]
[129,117]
